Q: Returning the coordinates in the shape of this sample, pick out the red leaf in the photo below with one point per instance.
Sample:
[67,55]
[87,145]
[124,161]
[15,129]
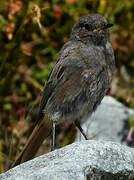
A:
[57,12]
[21,111]
[66,125]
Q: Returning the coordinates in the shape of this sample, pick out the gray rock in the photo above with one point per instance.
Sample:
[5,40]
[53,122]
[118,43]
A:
[108,122]
[85,160]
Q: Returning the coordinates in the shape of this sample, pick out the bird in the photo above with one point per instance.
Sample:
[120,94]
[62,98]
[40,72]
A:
[80,78]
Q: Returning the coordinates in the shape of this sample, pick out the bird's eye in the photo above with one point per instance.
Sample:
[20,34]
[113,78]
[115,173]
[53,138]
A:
[88,27]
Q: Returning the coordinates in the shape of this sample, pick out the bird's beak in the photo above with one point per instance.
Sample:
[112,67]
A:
[107,26]
[104,27]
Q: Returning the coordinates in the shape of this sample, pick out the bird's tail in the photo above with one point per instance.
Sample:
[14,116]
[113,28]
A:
[40,132]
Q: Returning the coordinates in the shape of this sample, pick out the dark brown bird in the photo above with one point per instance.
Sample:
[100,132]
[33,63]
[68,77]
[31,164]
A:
[80,78]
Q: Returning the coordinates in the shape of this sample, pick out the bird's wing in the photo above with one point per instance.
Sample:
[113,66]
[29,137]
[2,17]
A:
[75,83]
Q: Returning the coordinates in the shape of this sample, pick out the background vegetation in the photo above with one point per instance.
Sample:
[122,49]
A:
[31,34]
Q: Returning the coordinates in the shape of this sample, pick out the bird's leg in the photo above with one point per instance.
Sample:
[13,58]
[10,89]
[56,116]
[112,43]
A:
[80,128]
[53,135]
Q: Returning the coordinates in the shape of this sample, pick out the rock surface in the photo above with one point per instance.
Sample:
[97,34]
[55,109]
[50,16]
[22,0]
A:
[85,160]
[109,122]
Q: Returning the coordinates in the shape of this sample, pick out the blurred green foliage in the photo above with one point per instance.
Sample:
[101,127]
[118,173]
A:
[31,34]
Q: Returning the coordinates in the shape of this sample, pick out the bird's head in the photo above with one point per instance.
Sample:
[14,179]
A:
[91,28]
